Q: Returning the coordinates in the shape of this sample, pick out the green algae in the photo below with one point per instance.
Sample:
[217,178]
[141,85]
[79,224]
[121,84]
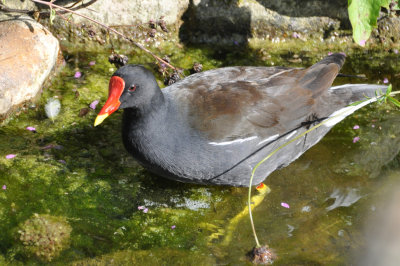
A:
[71,169]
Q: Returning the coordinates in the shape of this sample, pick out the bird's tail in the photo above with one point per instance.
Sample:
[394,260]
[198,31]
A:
[355,96]
[358,92]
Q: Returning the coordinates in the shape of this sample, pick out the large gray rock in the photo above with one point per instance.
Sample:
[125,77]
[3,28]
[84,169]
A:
[128,12]
[28,52]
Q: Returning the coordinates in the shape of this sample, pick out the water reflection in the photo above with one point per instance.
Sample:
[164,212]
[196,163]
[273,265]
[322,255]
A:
[382,247]
[344,198]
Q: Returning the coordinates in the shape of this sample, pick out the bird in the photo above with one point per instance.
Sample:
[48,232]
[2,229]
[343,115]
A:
[213,127]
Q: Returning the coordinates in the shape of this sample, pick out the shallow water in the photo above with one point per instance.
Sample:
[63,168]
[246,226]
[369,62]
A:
[336,190]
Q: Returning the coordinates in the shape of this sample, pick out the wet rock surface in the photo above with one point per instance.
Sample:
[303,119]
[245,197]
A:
[208,21]
[28,54]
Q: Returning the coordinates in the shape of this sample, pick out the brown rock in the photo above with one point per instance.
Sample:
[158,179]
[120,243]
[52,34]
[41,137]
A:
[28,52]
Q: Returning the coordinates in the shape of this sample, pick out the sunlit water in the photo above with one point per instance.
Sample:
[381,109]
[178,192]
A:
[336,191]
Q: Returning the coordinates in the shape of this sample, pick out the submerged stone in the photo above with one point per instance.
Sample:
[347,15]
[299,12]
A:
[44,236]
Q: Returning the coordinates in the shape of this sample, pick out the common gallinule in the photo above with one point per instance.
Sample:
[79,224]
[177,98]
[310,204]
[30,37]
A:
[213,127]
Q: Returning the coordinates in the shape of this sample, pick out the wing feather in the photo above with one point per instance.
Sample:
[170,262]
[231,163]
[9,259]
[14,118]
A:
[237,102]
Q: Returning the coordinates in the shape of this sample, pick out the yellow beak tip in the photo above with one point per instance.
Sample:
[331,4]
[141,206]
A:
[100,119]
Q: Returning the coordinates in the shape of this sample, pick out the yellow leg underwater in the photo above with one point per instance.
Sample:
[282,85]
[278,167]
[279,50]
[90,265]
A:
[263,190]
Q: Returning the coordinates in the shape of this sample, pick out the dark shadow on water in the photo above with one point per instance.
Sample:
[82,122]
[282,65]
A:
[210,24]
[336,9]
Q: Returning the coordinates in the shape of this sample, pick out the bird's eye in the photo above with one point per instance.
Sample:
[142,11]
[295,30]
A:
[132,88]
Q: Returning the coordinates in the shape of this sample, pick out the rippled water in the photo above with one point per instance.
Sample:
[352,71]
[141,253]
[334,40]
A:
[336,192]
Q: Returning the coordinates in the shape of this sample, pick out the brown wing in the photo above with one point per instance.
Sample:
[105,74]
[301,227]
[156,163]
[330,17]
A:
[238,102]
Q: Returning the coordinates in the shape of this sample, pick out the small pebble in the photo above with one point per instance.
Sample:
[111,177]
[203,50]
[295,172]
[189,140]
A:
[83,112]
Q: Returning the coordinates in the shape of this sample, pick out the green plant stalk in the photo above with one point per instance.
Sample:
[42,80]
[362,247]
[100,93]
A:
[286,144]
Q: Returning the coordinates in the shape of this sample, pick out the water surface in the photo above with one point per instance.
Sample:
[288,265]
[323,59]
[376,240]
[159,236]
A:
[72,170]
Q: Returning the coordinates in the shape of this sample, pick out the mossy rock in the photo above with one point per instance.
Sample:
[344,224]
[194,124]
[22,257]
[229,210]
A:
[43,237]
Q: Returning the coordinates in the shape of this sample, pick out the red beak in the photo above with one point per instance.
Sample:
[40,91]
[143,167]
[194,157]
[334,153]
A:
[116,87]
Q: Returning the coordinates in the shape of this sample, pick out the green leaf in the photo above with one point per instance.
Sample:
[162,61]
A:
[389,90]
[357,103]
[363,16]
[393,100]
[52,15]
[396,5]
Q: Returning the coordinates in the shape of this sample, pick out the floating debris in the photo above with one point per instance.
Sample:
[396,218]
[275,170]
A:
[174,77]
[152,24]
[83,112]
[93,104]
[52,108]
[31,129]
[77,74]
[262,255]
[118,60]
[296,35]
[162,24]
[197,67]
[285,205]
[152,33]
